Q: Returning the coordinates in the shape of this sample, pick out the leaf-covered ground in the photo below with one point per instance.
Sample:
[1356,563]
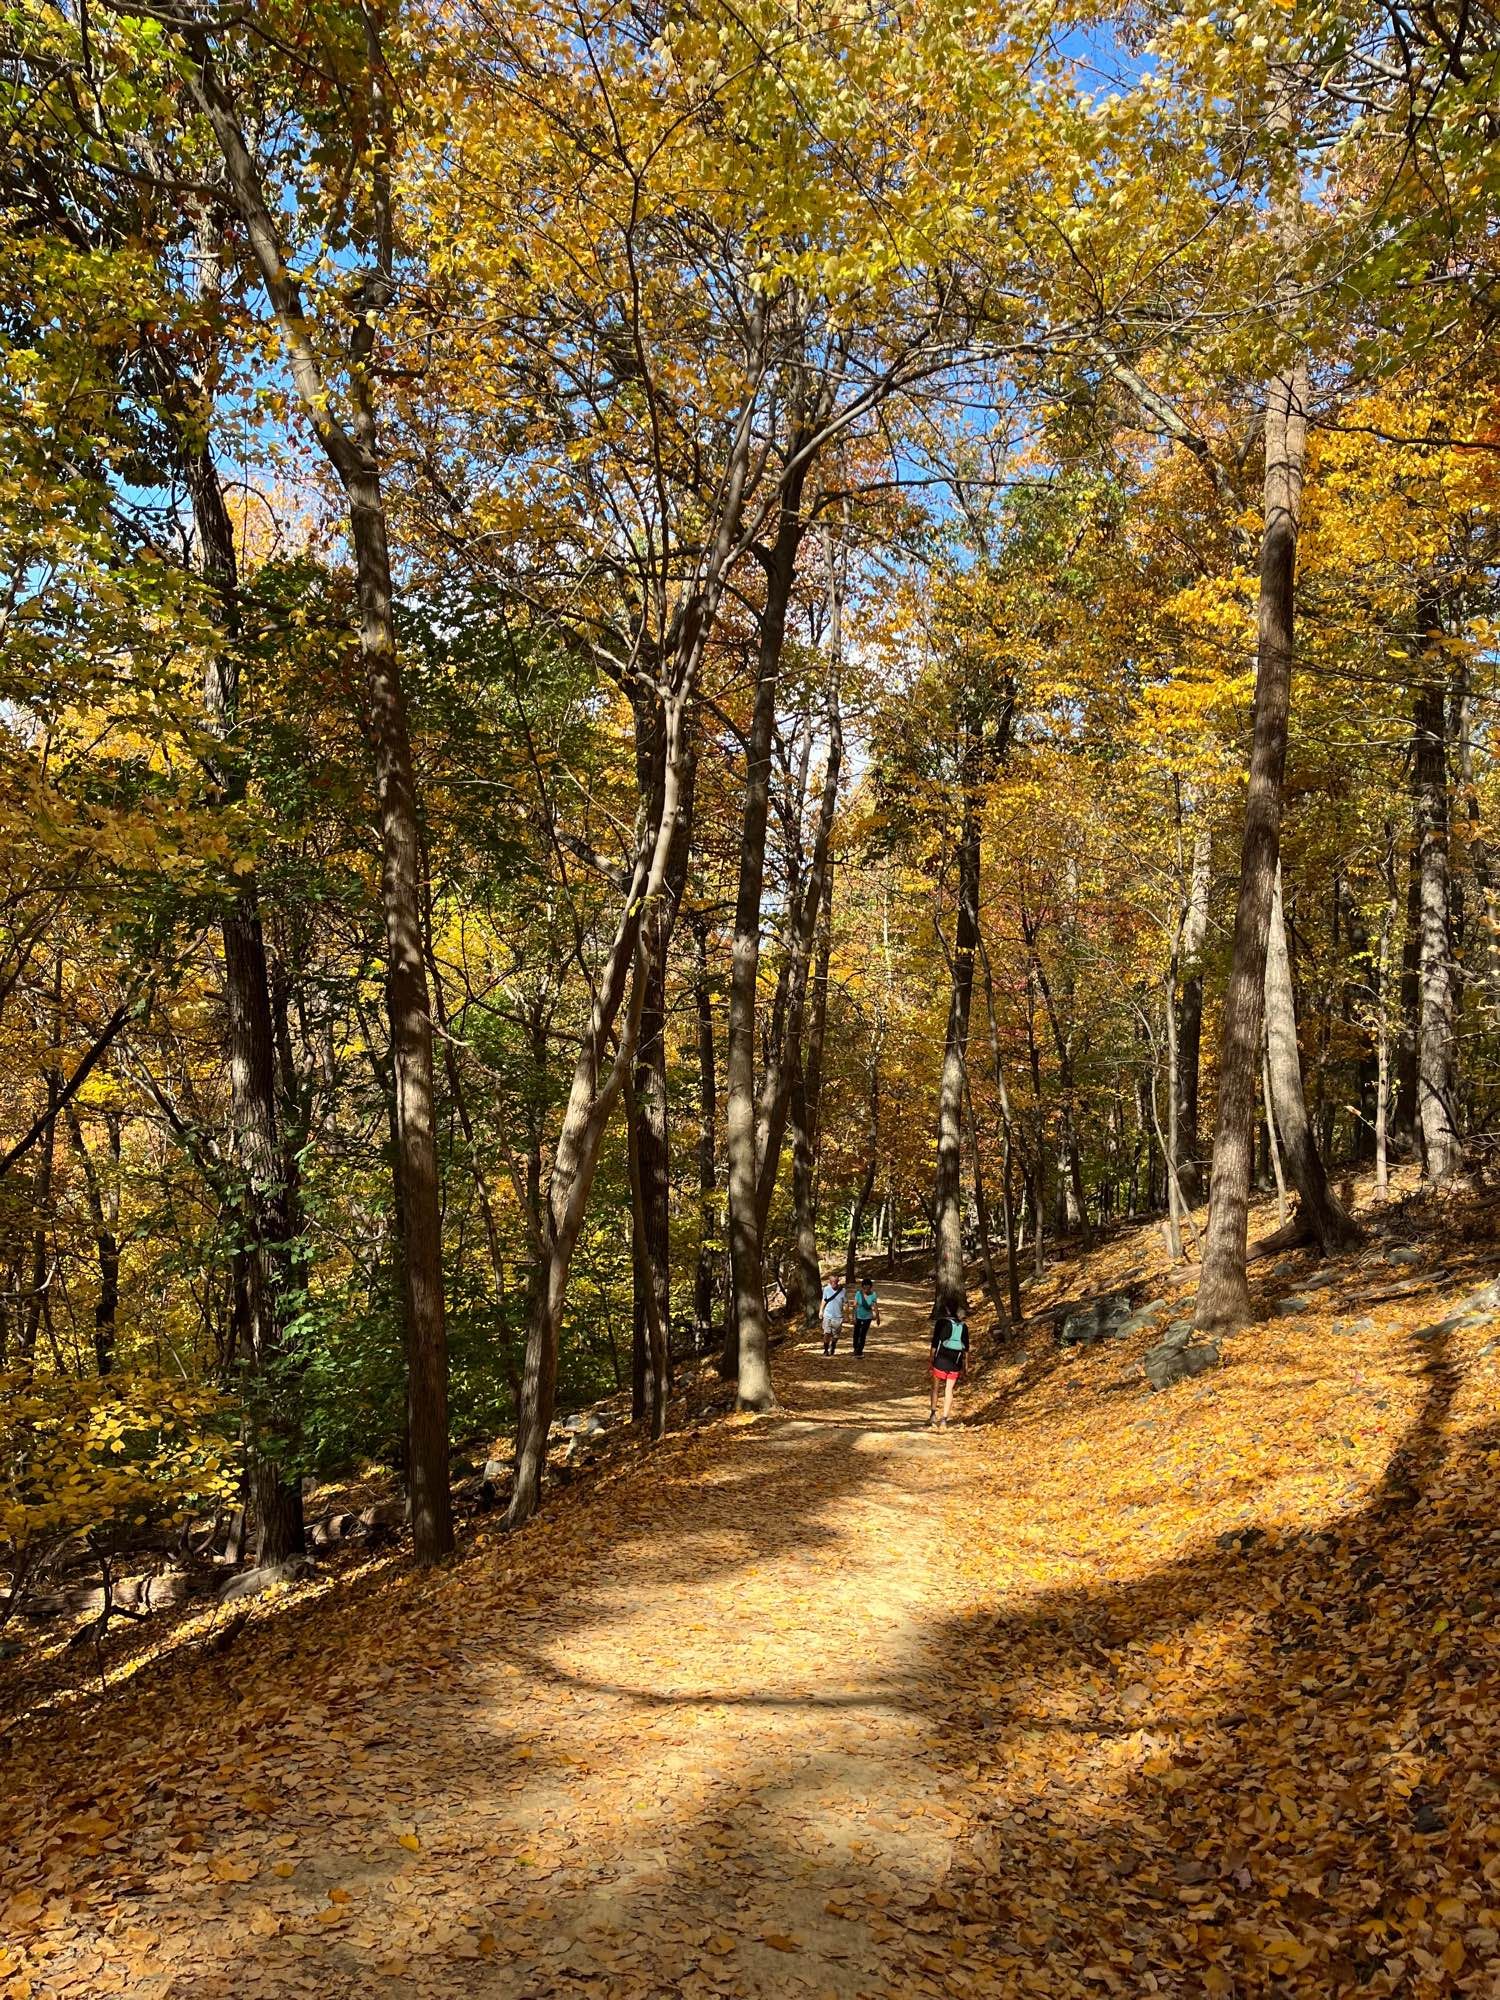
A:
[1102,1692]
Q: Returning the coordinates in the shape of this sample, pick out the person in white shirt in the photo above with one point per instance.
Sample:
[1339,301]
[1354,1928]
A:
[833,1314]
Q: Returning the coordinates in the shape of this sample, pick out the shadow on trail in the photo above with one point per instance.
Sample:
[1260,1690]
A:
[1129,1811]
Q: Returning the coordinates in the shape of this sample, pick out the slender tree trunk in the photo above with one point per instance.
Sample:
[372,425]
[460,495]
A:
[1403,1128]
[1383,1022]
[750,1333]
[807,1110]
[1319,1209]
[1007,1143]
[708,1218]
[982,1214]
[650,1377]
[353,453]
[947,1189]
[789,1014]
[104,1213]
[1442,1147]
[1273,1144]
[867,1180]
[1223,1288]
[1189,1024]
[42,1201]
[266,1198]
[1481,859]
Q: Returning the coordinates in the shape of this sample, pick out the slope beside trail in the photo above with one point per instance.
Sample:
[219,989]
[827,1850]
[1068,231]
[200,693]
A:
[676,1740]
[1103,1693]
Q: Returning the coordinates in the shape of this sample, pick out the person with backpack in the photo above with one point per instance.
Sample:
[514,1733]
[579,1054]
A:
[833,1314]
[950,1349]
[866,1311]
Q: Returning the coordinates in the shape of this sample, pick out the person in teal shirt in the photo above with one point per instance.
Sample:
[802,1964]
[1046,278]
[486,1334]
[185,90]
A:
[866,1311]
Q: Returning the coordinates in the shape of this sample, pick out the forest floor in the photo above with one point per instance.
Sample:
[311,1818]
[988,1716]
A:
[1101,1692]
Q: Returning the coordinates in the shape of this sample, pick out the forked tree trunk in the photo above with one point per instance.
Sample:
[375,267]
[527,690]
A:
[1223,1288]
[1319,1211]
[747,1343]
[1437,1121]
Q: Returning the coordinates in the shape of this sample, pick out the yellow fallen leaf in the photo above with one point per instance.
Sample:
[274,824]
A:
[410,1842]
[778,1941]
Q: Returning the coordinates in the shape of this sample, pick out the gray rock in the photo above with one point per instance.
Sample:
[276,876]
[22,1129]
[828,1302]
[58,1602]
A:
[1165,1365]
[1488,1348]
[495,1469]
[1290,1308]
[1319,1281]
[1405,1253]
[1352,1326]
[1485,1300]
[1178,1334]
[1100,1319]
[585,1423]
[256,1582]
[384,1515]
[1440,1328]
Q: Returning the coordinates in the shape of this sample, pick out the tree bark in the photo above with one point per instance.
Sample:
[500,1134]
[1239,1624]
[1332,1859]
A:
[807,1107]
[353,455]
[749,1331]
[1192,938]
[1437,1121]
[266,1198]
[708,1217]
[1319,1208]
[1223,1288]
[947,1189]
[867,1179]
[104,1214]
[648,1109]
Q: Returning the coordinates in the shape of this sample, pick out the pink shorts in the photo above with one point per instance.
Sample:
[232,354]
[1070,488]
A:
[946,1374]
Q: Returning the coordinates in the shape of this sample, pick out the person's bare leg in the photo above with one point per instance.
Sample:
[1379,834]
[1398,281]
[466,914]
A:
[947,1399]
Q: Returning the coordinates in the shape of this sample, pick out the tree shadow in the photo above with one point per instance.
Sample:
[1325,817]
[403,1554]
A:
[1237,1773]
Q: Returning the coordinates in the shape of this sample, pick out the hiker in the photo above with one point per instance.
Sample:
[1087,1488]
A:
[866,1310]
[833,1314]
[950,1347]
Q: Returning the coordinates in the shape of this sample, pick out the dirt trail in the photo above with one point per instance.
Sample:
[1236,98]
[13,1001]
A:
[675,1738]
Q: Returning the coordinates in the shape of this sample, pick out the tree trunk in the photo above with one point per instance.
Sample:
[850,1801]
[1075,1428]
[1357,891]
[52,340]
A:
[265,1198]
[1223,1288]
[1383,1022]
[867,1179]
[947,1190]
[1189,1025]
[1319,1208]
[1442,1147]
[806,1110]
[982,1214]
[1403,1123]
[1481,860]
[708,1219]
[747,1344]
[104,1213]
[648,1107]
[353,455]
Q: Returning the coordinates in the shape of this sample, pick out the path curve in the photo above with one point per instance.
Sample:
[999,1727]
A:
[676,1737]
